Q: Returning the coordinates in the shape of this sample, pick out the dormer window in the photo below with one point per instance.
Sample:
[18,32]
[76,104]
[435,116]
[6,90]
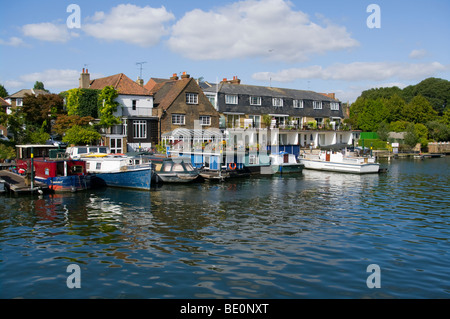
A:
[298,104]
[277,101]
[133,105]
[317,105]
[334,106]
[255,100]
[231,99]
[191,98]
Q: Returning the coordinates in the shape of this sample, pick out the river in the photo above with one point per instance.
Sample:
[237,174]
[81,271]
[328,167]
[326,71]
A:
[308,235]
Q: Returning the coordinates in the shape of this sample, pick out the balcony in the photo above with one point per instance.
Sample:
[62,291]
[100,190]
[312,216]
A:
[138,112]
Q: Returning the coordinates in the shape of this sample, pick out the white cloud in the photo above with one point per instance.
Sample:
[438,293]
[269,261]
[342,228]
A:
[418,54]
[13,41]
[269,29]
[356,71]
[131,24]
[56,79]
[47,32]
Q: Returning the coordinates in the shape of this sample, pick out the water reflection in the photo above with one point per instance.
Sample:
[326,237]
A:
[304,235]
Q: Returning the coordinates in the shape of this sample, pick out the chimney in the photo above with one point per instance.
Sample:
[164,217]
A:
[140,81]
[85,79]
[174,77]
[235,80]
[185,76]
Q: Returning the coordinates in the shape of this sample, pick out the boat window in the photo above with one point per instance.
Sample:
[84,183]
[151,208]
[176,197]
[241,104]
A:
[158,167]
[98,166]
[77,169]
[82,150]
[167,167]
[103,150]
[188,166]
[88,165]
[177,167]
[93,149]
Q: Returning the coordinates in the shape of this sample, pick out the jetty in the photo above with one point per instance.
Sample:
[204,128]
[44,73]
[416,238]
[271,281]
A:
[20,185]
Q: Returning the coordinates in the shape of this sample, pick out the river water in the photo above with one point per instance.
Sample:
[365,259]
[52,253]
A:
[309,235]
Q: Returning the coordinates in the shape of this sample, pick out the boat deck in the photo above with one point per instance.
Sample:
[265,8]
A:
[19,185]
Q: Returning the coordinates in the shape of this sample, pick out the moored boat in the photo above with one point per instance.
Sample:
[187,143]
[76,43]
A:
[174,169]
[283,163]
[119,171]
[337,162]
[53,168]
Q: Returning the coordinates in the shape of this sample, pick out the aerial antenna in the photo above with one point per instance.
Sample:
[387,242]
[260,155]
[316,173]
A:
[140,67]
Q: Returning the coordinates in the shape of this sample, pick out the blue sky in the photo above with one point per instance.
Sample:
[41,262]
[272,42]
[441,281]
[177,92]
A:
[324,46]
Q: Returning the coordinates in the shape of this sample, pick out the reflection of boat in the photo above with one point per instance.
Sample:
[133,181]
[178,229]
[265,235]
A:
[53,168]
[119,171]
[173,169]
[283,163]
[337,162]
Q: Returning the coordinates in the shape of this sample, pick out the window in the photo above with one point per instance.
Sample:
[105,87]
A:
[233,120]
[277,101]
[231,99]
[256,120]
[298,104]
[140,129]
[205,120]
[19,102]
[255,100]
[212,99]
[178,119]
[191,98]
[334,106]
[133,105]
[317,105]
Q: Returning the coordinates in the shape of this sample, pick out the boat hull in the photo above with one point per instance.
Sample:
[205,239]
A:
[365,168]
[135,179]
[176,178]
[70,183]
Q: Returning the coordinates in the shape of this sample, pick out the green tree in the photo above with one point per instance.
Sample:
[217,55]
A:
[383,131]
[107,106]
[81,135]
[398,126]
[39,86]
[3,91]
[422,134]
[395,105]
[419,110]
[411,138]
[374,112]
[438,131]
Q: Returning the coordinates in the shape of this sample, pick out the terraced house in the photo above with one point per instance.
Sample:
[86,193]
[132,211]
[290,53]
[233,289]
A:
[297,117]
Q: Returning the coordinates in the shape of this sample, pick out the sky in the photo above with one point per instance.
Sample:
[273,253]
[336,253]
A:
[328,46]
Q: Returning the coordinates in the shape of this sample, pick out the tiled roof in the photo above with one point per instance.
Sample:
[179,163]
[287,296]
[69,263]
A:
[4,103]
[21,94]
[165,93]
[254,90]
[123,84]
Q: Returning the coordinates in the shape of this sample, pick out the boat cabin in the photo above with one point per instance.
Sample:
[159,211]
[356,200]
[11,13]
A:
[87,151]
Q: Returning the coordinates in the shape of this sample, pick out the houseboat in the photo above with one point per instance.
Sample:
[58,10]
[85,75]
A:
[52,167]
[77,152]
[337,162]
[283,163]
[119,171]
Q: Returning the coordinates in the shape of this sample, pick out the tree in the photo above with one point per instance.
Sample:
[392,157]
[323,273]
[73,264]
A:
[395,105]
[3,91]
[419,110]
[422,134]
[81,135]
[411,138]
[65,122]
[383,131]
[39,86]
[42,108]
[438,131]
[107,106]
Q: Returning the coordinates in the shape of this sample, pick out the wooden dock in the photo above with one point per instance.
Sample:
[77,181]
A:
[18,184]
